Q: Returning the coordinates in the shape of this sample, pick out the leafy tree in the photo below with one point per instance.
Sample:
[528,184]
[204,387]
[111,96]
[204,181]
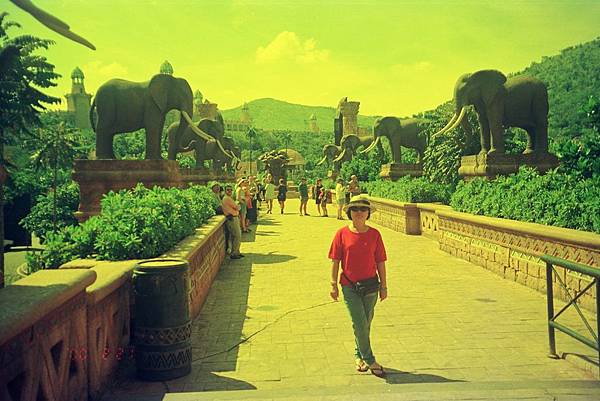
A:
[20,100]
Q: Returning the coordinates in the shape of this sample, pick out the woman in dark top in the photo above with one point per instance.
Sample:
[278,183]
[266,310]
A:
[317,194]
[281,191]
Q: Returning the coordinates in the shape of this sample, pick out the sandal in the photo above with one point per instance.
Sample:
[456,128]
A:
[361,366]
[377,370]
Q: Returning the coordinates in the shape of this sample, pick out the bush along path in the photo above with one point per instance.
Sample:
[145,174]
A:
[140,223]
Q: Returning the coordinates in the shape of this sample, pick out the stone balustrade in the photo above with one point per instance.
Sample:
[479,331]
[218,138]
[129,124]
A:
[43,337]
[77,319]
[399,216]
[507,247]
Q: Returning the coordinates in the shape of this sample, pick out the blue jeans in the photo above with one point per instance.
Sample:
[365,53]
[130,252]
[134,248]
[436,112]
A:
[362,310]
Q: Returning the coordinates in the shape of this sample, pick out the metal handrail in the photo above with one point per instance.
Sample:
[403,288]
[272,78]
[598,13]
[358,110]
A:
[552,261]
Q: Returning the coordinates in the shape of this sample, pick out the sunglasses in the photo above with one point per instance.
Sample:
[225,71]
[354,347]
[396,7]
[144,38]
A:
[228,190]
[359,209]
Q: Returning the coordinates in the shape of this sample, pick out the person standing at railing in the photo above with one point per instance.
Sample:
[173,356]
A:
[231,210]
[359,250]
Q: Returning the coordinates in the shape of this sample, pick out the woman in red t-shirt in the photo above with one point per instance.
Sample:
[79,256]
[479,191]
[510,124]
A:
[361,252]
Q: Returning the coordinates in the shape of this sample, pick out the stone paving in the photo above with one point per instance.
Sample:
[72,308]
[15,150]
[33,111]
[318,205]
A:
[449,329]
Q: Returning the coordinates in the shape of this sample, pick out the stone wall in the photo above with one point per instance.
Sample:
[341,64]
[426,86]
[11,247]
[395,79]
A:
[512,249]
[64,332]
[399,216]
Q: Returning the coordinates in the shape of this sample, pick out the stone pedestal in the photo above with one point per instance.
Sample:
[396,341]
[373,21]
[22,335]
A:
[292,190]
[394,171]
[491,166]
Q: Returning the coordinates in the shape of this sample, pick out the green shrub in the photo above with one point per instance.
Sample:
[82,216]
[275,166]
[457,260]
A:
[59,248]
[557,199]
[409,189]
[40,220]
[134,224]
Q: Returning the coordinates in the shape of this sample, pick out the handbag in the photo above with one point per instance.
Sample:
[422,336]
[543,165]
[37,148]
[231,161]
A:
[364,287]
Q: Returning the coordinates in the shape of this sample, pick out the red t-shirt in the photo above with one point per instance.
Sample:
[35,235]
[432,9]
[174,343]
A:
[359,253]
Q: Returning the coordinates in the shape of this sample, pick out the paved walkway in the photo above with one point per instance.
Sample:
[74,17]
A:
[449,329]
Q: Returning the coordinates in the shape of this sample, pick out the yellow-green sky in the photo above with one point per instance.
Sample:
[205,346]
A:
[395,57]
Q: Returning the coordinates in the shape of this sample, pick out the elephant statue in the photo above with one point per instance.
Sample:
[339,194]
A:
[409,133]
[330,153]
[125,106]
[520,101]
[349,145]
[231,147]
[275,163]
[198,139]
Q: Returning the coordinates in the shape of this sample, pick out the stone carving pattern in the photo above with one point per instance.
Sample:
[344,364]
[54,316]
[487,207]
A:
[38,364]
[516,256]
[108,330]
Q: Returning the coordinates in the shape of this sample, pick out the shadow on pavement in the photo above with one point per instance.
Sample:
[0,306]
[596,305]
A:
[268,258]
[395,376]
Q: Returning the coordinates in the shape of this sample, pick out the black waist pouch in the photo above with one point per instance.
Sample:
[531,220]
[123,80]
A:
[364,287]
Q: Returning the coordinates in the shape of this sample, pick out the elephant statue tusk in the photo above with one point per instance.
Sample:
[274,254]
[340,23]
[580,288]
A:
[51,22]
[371,146]
[452,120]
[340,156]
[463,111]
[191,146]
[196,130]
[323,160]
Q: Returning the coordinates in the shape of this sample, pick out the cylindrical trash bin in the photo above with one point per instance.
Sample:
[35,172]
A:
[162,331]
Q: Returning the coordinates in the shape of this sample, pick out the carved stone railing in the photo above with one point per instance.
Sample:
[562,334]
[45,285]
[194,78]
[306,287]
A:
[43,336]
[429,219]
[513,249]
[205,252]
[398,216]
[76,320]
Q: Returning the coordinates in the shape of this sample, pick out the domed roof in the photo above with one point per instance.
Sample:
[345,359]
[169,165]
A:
[296,159]
[166,68]
[77,73]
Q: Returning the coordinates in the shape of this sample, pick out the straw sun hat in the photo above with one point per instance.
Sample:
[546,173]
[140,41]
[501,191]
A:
[359,201]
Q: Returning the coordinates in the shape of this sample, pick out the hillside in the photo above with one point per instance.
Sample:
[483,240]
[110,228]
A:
[272,114]
[572,77]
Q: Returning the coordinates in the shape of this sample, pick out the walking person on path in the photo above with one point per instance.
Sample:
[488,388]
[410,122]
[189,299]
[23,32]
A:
[340,197]
[281,194]
[303,189]
[269,195]
[317,193]
[360,251]
[323,200]
[231,210]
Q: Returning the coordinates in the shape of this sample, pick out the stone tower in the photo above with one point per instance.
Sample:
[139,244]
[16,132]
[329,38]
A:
[78,101]
[245,115]
[312,124]
[208,110]
[166,68]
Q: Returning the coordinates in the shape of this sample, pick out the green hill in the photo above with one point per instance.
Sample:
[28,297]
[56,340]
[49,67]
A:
[571,77]
[273,114]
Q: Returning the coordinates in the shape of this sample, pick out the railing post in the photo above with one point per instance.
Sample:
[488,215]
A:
[598,317]
[550,298]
